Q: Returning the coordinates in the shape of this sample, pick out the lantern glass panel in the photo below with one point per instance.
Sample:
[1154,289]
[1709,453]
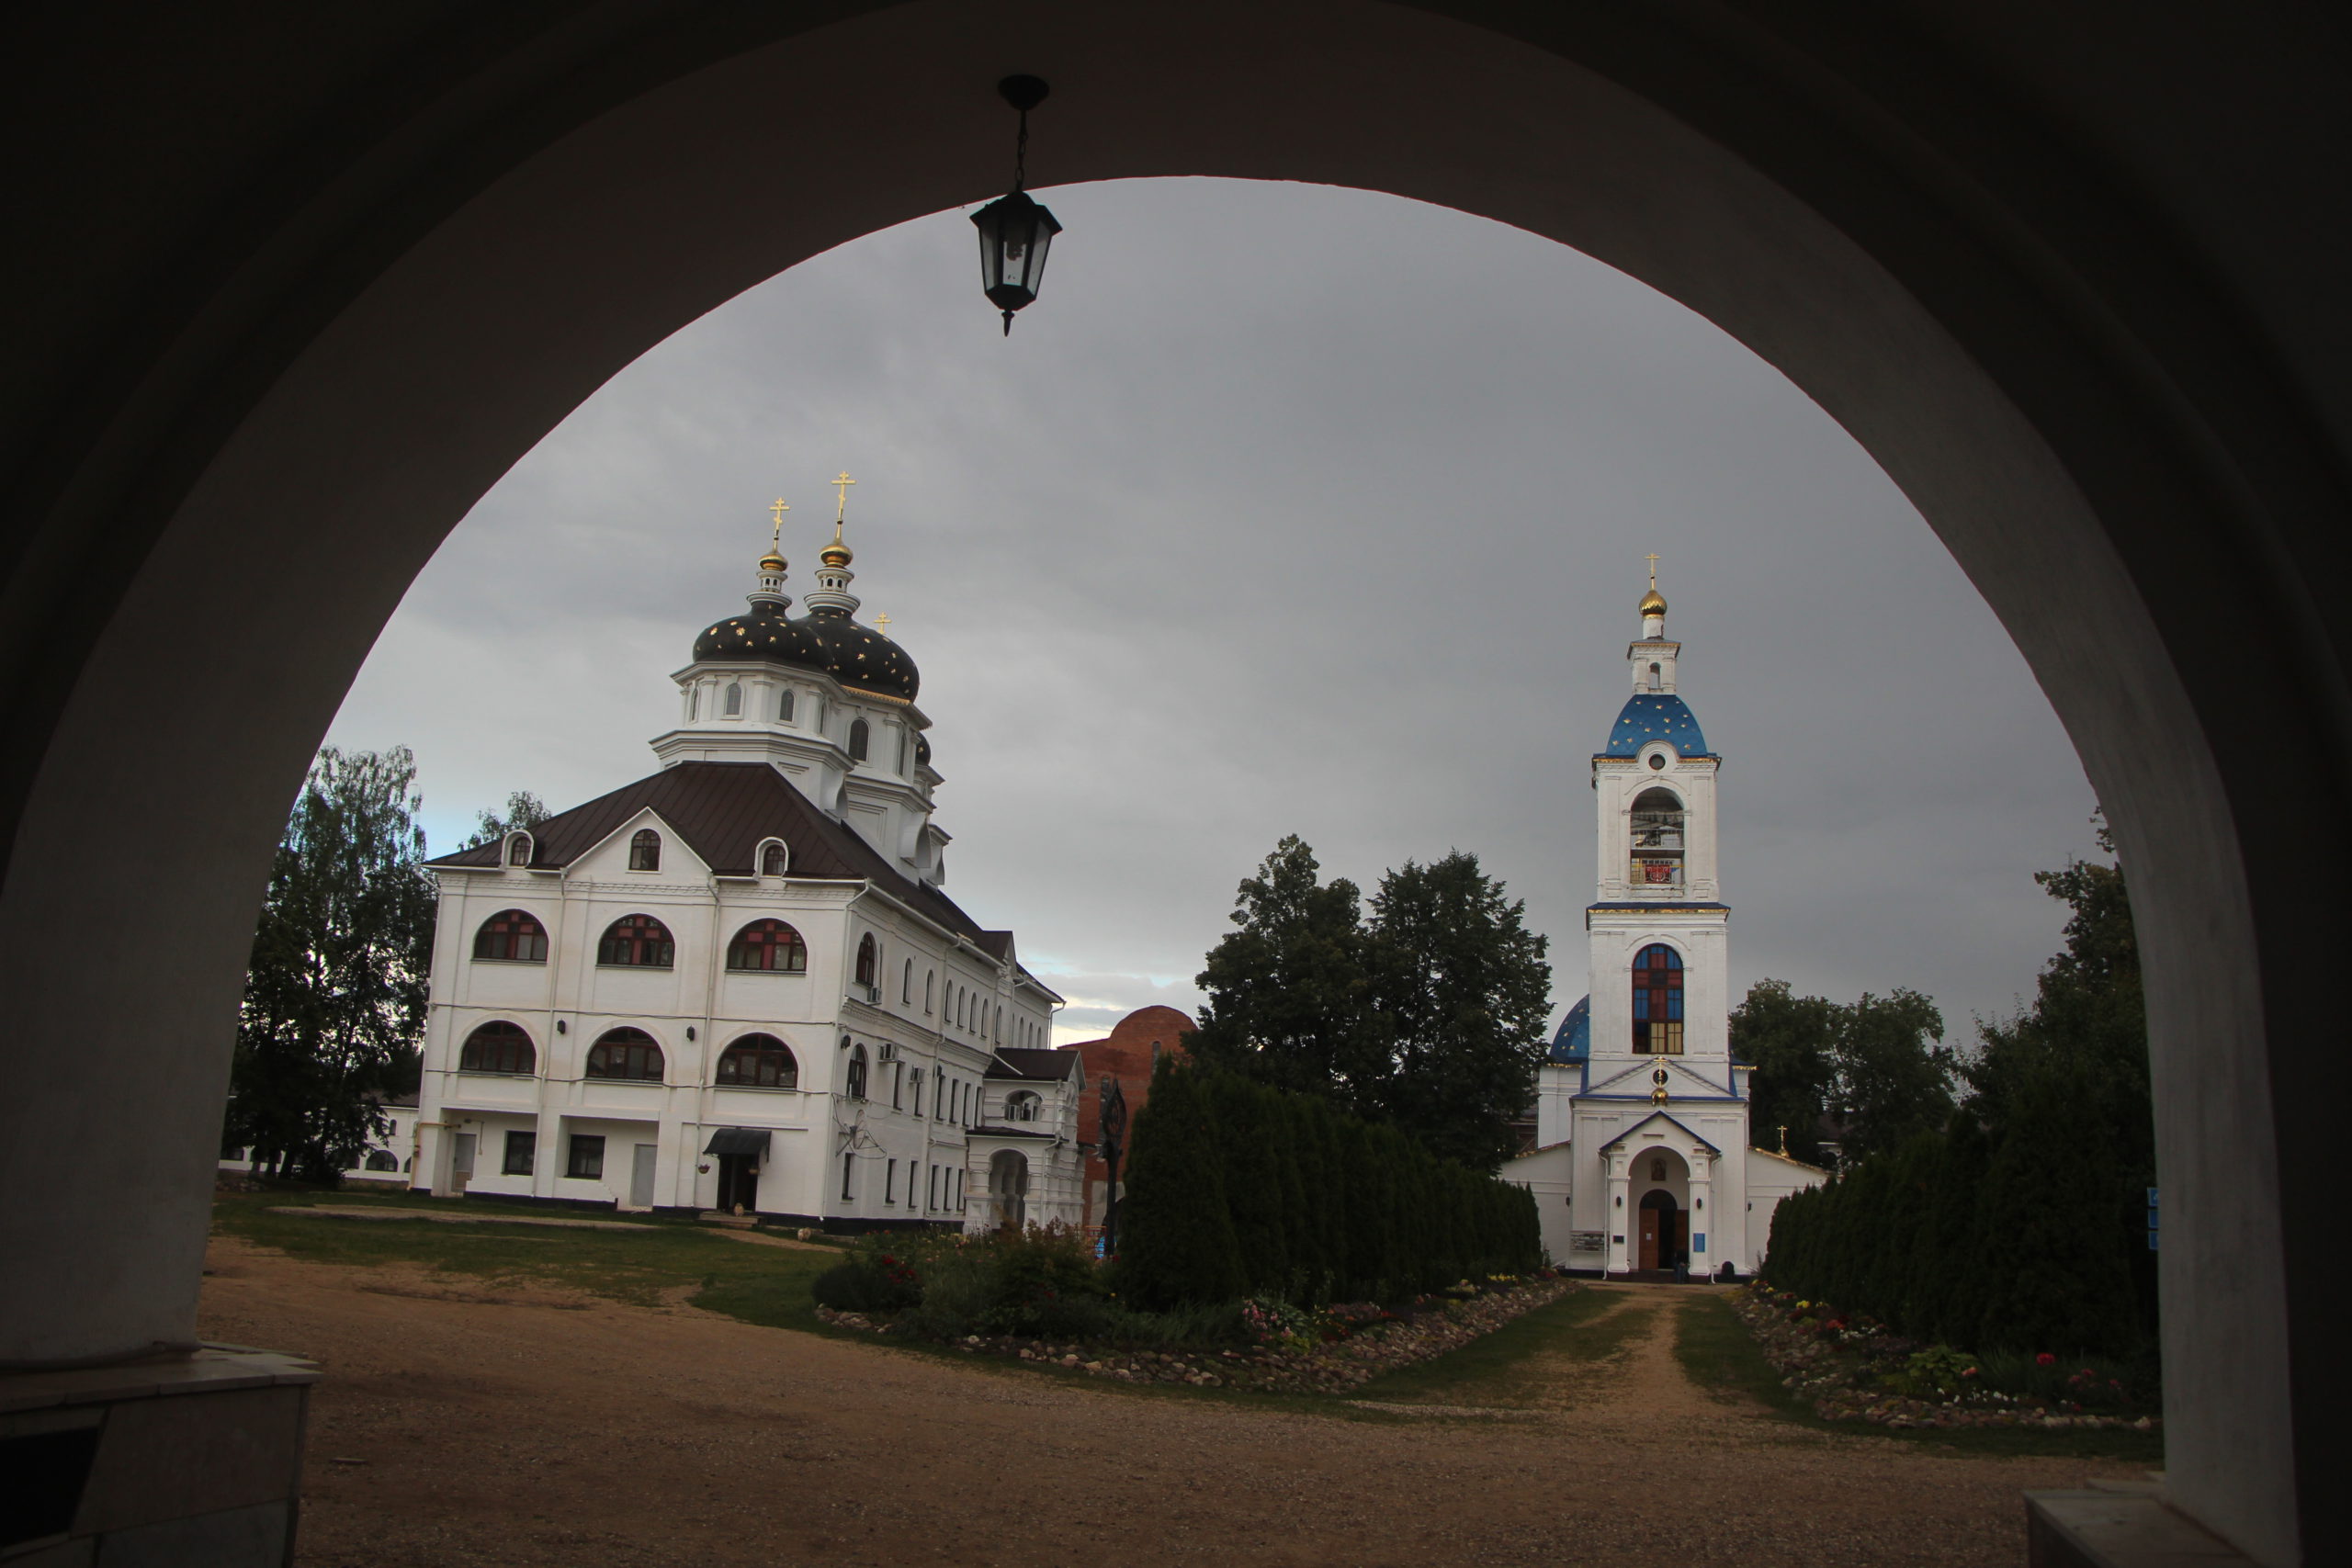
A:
[1014,233]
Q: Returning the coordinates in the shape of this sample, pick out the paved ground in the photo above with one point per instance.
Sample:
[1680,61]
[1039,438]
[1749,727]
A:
[528,1426]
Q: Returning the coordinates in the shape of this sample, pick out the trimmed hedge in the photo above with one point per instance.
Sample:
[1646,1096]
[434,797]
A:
[1236,1189]
[2032,1241]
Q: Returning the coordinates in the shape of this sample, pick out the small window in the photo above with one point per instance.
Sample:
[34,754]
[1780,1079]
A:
[768,946]
[914,1105]
[382,1159]
[758,1061]
[498,1047]
[518,849]
[628,1053]
[1657,679]
[929,977]
[860,733]
[587,1162]
[869,960]
[998,1035]
[522,1153]
[890,1182]
[902,753]
[734,699]
[856,1089]
[907,984]
[512,936]
[784,705]
[897,1086]
[637,941]
[645,850]
[772,860]
[1022,1106]
[694,703]
[849,1177]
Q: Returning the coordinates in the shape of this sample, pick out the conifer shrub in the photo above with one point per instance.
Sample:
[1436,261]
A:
[1235,1187]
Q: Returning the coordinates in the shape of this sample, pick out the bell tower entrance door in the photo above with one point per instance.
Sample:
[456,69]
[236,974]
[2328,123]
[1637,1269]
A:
[1660,1230]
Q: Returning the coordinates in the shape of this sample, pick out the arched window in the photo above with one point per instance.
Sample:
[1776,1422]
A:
[694,703]
[856,1086]
[1657,679]
[1654,828]
[784,705]
[929,976]
[382,1159]
[498,1047]
[624,1054]
[999,1034]
[637,941]
[769,946]
[518,849]
[734,699]
[1657,1001]
[907,984]
[860,733]
[645,850]
[758,1061]
[869,960]
[1022,1106]
[512,936]
[772,860]
[902,753]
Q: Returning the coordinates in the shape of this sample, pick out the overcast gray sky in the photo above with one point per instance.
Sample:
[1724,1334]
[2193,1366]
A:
[1285,510]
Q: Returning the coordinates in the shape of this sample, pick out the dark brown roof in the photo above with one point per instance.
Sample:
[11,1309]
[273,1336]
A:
[723,810]
[1035,1062]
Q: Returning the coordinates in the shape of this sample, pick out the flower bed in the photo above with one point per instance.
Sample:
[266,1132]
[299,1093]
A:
[1295,1353]
[1854,1370]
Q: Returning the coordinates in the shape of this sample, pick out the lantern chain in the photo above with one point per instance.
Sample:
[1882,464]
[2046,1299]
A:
[1021,153]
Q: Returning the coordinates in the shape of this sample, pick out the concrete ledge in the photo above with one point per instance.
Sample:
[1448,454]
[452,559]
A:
[2120,1527]
[181,1459]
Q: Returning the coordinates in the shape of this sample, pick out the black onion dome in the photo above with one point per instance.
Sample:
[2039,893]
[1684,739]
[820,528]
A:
[766,634]
[859,657]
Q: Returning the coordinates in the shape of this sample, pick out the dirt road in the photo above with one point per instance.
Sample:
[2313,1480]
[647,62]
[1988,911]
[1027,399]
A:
[525,1427]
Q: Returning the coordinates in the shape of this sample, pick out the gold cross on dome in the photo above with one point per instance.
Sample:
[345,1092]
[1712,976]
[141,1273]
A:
[841,486]
[777,510]
[1653,561]
[882,623]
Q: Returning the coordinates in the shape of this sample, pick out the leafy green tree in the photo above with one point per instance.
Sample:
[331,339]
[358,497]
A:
[1464,990]
[1894,1074]
[523,809]
[1792,1039]
[1289,992]
[335,988]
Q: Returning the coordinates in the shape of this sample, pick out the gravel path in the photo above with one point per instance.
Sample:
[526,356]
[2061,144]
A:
[522,1425]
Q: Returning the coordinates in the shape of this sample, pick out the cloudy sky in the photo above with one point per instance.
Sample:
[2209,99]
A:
[1286,509]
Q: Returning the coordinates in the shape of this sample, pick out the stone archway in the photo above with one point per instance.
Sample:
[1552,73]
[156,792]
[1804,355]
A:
[264,371]
[1009,1189]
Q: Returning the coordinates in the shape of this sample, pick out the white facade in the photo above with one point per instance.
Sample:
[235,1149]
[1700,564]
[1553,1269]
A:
[1642,1151]
[734,984]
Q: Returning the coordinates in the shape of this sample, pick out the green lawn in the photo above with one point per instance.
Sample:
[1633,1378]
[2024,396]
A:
[760,1284]
[1719,1354]
[1509,1368]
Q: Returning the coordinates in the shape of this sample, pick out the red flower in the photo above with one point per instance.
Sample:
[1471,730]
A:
[2045,1359]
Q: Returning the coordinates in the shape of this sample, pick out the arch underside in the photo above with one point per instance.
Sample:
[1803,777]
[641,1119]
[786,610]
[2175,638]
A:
[2106,448]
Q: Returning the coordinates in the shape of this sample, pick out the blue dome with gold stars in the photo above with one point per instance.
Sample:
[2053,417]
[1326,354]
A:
[1656,716]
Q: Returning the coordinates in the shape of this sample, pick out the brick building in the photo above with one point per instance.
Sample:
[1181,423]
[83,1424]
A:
[1126,1053]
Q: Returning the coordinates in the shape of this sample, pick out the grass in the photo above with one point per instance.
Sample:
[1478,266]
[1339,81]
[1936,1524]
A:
[1498,1369]
[766,1285]
[1720,1355]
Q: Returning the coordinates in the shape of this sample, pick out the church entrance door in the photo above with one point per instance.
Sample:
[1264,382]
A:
[1659,1231]
[739,1182]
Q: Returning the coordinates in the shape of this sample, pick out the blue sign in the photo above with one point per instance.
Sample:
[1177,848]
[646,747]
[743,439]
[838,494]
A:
[1698,1242]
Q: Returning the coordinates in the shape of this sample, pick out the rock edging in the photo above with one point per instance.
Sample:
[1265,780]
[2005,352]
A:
[1331,1367]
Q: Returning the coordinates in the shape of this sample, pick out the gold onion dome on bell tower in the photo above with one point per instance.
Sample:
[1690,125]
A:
[1653,602]
[836,553]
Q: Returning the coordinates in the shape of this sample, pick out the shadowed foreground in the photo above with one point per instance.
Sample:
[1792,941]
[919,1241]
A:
[529,1425]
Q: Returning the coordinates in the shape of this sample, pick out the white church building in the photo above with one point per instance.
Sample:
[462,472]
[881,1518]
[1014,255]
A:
[736,984]
[1641,1155]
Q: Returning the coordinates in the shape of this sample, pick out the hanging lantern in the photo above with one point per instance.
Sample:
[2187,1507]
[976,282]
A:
[1015,230]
